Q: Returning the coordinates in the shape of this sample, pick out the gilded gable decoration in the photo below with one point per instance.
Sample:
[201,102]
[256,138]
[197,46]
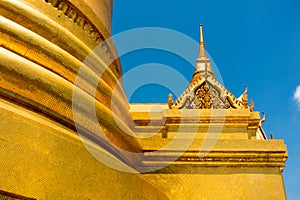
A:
[204,90]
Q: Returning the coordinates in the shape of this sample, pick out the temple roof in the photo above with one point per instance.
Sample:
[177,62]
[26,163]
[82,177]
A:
[204,90]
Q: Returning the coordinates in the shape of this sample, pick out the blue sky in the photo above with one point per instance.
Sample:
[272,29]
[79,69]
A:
[252,42]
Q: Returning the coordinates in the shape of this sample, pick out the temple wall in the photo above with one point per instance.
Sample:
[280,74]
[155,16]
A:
[221,183]
[206,156]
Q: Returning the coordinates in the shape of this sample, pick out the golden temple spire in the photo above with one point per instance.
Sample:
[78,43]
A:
[204,90]
[203,67]
[202,51]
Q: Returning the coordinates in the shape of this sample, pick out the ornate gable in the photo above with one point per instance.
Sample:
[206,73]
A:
[204,91]
[208,93]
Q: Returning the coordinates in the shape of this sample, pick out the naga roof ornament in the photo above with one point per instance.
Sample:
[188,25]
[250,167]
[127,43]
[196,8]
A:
[205,91]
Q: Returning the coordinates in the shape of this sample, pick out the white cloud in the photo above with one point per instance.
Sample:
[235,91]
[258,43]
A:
[297,95]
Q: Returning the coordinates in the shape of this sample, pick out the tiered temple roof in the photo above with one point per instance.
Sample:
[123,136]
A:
[205,91]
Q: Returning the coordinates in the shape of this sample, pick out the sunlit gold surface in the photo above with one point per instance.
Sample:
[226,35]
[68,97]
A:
[237,165]
[42,159]
[44,44]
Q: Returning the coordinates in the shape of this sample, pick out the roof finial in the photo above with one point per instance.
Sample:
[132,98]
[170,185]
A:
[202,52]
[203,67]
[201,35]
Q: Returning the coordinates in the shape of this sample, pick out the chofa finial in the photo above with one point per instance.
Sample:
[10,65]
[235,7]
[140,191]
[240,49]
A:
[244,97]
[170,100]
[252,105]
[264,118]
